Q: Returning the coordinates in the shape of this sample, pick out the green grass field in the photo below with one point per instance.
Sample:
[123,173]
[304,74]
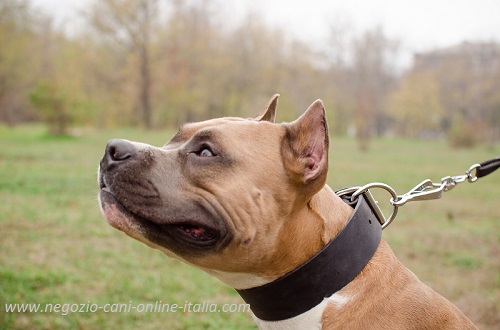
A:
[56,247]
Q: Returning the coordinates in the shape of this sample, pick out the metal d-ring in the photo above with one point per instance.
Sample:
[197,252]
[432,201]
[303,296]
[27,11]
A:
[365,188]
[346,191]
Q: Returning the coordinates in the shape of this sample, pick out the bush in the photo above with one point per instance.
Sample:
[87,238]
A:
[52,106]
[463,134]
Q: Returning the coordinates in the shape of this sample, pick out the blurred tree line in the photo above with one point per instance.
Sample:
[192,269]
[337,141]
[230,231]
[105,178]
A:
[154,64]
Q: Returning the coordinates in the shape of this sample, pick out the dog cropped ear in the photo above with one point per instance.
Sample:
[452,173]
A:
[306,147]
[270,113]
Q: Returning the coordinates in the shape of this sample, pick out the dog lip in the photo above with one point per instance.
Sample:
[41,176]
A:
[192,231]
[102,184]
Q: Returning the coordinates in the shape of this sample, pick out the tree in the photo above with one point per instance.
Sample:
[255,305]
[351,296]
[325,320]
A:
[339,77]
[416,106]
[373,72]
[190,71]
[19,63]
[130,25]
[468,77]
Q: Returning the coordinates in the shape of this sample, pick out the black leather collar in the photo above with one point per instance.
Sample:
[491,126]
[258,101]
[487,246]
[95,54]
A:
[337,264]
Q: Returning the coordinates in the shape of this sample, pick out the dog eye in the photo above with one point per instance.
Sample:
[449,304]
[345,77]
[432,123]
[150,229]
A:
[205,152]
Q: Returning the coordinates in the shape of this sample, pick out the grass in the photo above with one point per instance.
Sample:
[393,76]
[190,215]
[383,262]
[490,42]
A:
[57,248]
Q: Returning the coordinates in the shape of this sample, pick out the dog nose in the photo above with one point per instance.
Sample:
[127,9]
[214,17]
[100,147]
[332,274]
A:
[119,151]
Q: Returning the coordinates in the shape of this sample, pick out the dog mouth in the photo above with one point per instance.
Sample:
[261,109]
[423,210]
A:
[194,232]
[189,232]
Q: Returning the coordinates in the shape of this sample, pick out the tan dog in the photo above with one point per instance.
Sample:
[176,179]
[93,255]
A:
[245,200]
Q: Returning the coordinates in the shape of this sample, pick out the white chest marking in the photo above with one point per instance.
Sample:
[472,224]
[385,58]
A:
[309,320]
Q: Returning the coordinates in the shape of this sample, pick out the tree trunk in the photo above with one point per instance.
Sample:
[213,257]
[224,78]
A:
[145,90]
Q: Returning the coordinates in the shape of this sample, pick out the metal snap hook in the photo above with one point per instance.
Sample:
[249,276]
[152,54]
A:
[473,169]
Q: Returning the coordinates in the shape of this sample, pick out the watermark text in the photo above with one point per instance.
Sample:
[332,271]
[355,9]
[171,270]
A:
[129,307]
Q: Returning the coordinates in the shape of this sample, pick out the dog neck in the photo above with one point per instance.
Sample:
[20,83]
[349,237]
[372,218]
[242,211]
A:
[326,273]
[309,230]
[331,211]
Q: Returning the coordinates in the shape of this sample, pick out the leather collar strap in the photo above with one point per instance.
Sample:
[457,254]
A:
[337,264]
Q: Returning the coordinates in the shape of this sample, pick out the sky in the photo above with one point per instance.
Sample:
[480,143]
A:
[421,25]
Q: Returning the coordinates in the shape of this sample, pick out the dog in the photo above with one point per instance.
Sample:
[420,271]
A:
[246,201]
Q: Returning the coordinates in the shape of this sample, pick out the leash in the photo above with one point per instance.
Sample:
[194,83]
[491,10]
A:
[424,191]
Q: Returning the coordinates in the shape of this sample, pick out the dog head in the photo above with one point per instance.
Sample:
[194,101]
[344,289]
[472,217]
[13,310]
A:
[220,193]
